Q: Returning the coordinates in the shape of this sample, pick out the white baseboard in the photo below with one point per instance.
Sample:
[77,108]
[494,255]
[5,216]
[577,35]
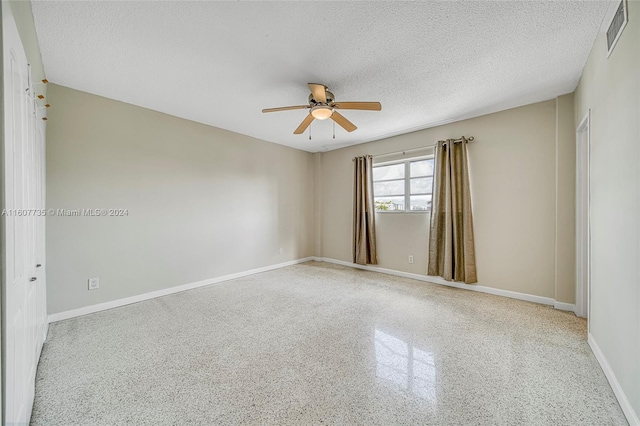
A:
[439,280]
[436,280]
[571,307]
[164,292]
[627,409]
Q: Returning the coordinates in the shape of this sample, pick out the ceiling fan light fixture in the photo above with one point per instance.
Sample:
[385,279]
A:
[321,112]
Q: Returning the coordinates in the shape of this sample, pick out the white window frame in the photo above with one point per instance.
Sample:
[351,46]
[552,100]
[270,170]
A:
[407,184]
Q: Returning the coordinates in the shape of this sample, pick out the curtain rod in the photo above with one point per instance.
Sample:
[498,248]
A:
[469,139]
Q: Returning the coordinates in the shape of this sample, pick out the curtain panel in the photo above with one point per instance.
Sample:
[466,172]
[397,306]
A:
[451,241]
[364,218]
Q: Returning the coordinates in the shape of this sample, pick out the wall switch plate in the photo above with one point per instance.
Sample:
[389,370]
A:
[410,259]
[280,251]
[94,283]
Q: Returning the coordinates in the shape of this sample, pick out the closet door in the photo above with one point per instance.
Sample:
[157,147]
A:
[23,319]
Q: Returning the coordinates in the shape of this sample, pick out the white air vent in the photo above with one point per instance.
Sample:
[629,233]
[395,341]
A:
[618,23]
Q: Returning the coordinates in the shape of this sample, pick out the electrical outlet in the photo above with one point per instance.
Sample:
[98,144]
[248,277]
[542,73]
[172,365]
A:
[94,283]
[280,251]
[410,259]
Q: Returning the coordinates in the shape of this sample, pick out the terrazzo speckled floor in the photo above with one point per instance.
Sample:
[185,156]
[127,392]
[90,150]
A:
[323,344]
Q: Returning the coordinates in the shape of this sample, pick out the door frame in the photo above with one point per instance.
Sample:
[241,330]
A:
[583,218]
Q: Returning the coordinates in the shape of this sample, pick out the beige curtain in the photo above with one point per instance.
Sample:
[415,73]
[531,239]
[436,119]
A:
[364,219]
[451,245]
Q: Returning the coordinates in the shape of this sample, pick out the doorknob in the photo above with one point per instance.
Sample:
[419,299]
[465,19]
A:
[32,279]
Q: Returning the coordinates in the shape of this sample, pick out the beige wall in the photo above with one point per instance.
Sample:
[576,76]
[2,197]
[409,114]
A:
[611,89]
[317,203]
[203,202]
[565,274]
[513,179]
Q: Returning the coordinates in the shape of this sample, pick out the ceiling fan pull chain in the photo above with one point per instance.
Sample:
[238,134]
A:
[309,132]
[334,129]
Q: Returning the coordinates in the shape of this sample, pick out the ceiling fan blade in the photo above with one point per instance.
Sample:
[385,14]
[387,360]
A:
[346,124]
[285,108]
[303,126]
[366,106]
[319,91]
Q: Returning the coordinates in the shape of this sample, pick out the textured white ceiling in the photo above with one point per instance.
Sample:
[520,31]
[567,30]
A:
[220,63]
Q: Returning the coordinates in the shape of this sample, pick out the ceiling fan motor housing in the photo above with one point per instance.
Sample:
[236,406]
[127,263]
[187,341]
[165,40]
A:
[330,99]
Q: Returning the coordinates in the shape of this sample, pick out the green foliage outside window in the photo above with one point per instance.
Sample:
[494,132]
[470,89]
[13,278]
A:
[383,205]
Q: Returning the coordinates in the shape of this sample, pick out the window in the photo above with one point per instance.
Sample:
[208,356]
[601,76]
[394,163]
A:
[403,186]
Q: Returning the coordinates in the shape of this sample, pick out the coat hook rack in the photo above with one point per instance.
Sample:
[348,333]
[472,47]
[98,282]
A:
[44,81]
[39,97]
[44,107]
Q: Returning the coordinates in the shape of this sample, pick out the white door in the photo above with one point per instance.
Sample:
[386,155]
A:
[23,317]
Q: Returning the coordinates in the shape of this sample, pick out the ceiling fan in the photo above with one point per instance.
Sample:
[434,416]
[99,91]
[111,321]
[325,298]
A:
[323,105]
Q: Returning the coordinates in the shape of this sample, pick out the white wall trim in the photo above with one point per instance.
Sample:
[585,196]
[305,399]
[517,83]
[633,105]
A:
[565,306]
[627,409]
[582,214]
[439,280]
[164,292]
